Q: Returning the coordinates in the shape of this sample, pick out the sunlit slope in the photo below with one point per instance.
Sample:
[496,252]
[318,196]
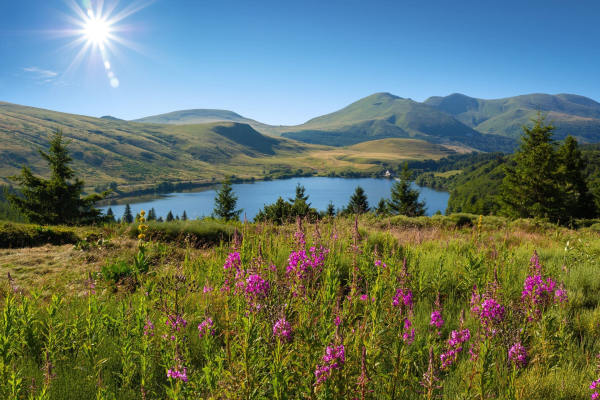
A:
[132,152]
[200,116]
[577,115]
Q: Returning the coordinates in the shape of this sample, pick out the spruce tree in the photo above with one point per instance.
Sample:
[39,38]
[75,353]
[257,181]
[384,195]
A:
[152,214]
[300,189]
[57,200]
[184,216]
[358,202]
[330,210]
[531,187]
[170,216]
[226,202]
[404,200]
[127,216]
[579,200]
[381,208]
[110,215]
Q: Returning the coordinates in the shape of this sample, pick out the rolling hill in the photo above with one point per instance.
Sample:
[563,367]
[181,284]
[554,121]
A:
[577,115]
[108,149]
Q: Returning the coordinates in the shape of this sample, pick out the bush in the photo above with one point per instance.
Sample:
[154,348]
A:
[199,232]
[23,235]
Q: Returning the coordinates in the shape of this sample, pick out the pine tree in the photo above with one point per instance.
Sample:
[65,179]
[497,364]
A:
[579,200]
[226,202]
[152,214]
[170,216]
[127,216]
[184,216]
[532,186]
[300,195]
[404,200]
[57,200]
[382,208]
[330,210]
[358,202]
[110,215]
[177,217]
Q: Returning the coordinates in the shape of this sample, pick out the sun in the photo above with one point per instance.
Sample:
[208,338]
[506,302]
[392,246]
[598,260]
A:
[96,30]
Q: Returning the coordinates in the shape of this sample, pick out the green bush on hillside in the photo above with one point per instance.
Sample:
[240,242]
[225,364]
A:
[197,232]
[22,235]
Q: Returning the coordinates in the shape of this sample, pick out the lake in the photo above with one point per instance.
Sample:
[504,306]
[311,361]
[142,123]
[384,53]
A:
[253,196]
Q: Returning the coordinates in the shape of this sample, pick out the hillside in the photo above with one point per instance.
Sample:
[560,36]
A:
[379,116]
[106,150]
[383,115]
[125,152]
[577,115]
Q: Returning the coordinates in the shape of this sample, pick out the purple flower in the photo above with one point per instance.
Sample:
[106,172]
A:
[403,297]
[487,310]
[409,333]
[175,374]
[256,289]
[334,358]
[233,261]
[379,263]
[364,297]
[207,289]
[436,319]
[337,321]
[282,330]
[457,338]
[149,328]
[518,355]
[561,295]
[176,322]
[206,328]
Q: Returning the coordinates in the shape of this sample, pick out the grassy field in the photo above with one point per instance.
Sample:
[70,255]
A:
[137,154]
[317,311]
[448,173]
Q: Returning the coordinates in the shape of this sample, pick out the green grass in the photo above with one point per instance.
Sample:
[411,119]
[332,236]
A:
[14,235]
[197,233]
[100,330]
[448,173]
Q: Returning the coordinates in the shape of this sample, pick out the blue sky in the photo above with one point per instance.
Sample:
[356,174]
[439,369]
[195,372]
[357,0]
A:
[284,62]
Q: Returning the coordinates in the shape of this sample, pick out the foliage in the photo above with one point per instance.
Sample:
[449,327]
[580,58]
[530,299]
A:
[58,200]
[127,215]
[14,235]
[358,204]
[196,233]
[282,211]
[404,200]
[226,202]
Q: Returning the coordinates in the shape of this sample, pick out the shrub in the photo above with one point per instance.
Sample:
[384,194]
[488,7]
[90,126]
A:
[22,235]
[198,232]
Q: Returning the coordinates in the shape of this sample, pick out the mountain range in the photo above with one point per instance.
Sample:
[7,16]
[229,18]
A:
[486,125]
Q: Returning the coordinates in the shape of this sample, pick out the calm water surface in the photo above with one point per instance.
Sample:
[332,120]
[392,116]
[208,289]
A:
[253,196]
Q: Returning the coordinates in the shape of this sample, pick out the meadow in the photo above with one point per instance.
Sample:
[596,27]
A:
[398,308]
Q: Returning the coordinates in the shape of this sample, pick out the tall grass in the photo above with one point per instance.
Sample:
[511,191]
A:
[322,311]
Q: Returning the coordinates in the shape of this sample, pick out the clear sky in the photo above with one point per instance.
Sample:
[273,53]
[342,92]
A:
[283,62]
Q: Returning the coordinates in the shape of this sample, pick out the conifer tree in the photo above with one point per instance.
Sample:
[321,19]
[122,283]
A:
[110,215]
[404,200]
[359,203]
[127,215]
[579,200]
[184,216]
[57,200]
[169,216]
[532,186]
[226,202]
[152,214]
[381,208]
[330,210]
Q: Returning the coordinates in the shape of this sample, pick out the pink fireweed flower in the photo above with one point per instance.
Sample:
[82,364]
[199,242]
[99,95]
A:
[403,297]
[175,374]
[379,263]
[409,332]
[457,338]
[518,355]
[487,310]
[176,322]
[436,319]
[334,358]
[234,261]
[337,321]
[206,328]
[149,328]
[207,289]
[595,386]
[364,297]
[561,295]
[282,329]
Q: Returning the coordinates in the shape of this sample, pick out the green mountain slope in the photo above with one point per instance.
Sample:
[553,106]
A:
[107,149]
[577,115]
[383,115]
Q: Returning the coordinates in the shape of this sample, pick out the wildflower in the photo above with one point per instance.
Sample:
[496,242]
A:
[594,386]
[256,288]
[457,338]
[282,329]
[560,295]
[364,297]
[485,308]
[175,374]
[403,297]
[233,261]
[176,322]
[379,263]
[206,328]
[518,355]
[409,333]
[334,358]
[149,328]
[207,289]
[337,321]
[436,319]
